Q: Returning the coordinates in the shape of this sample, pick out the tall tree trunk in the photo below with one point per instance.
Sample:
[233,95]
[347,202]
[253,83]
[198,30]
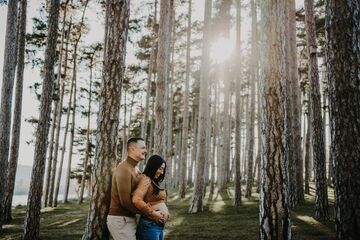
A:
[6,98]
[215,133]
[124,138]
[170,148]
[274,209]
[326,136]
[296,194]
[130,114]
[116,28]
[53,155]
[307,151]
[152,126]
[178,157]
[60,92]
[72,130]
[144,126]
[185,126]
[343,55]
[321,201]
[254,68]
[238,106]
[15,134]
[72,135]
[225,166]
[32,216]
[195,115]
[72,91]
[259,122]
[161,107]
[246,135]
[196,204]
[87,152]
[219,139]
[296,104]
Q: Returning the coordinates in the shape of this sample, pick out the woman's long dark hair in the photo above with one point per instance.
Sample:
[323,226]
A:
[152,165]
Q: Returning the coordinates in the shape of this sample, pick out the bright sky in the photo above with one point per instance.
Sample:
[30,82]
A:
[30,104]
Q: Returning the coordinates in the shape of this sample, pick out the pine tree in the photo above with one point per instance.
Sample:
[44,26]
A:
[15,139]
[343,60]
[321,201]
[274,209]
[6,99]
[197,204]
[116,29]
[32,217]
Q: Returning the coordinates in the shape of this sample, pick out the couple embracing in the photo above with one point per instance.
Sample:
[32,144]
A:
[134,193]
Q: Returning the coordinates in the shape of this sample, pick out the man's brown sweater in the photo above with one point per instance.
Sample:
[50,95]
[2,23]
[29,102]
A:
[124,181]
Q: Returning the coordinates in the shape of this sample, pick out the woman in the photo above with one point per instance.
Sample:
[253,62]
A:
[150,198]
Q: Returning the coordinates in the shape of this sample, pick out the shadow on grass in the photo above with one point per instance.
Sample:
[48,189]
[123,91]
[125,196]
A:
[219,220]
[67,221]
[222,220]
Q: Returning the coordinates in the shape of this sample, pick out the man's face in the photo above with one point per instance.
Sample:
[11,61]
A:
[138,150]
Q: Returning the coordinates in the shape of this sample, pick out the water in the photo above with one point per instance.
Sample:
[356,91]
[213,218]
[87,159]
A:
[22,199]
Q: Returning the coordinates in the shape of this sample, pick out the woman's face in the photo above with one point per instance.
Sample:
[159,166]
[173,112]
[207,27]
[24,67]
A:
[160,171]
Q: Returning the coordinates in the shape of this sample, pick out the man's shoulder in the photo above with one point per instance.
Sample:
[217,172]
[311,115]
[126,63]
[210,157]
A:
[122,166]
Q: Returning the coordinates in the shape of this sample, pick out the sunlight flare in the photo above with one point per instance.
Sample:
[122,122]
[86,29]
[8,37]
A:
[222,49]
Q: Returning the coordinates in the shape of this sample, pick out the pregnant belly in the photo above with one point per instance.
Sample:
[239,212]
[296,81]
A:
[162,208]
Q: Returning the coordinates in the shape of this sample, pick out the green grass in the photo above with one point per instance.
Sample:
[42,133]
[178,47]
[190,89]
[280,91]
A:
[220,220]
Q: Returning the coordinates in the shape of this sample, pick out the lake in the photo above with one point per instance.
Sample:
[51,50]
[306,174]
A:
[22,199]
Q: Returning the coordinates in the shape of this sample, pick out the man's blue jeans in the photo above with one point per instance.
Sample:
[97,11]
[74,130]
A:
[149,230]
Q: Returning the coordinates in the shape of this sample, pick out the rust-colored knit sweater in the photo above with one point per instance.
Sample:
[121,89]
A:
[124,181]
[143,197]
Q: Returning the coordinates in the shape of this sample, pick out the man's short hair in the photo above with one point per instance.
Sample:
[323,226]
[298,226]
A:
[133,140]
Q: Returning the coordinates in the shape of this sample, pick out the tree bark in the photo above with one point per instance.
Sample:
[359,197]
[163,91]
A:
[32,217]
[116,29]
[185,126]
[195,116]
[238,107]
[53,198]
[296,109]
[170,144]
[251,129]
[72,130]
[6,98]
[274,210]
[321,201]
[58,109]
[161,107]
[196,204]
[343,55]
[144,126]
[215,134]
[152,126]
[72,134]
[87,153]
[124,138]
[56,104]
[15,139]
[307,151]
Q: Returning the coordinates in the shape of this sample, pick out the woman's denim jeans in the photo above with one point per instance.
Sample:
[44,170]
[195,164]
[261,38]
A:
[149,230]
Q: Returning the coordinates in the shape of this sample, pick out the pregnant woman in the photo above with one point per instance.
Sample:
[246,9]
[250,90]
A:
[150,198]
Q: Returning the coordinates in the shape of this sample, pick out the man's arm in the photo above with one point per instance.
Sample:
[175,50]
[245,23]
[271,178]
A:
[123,184]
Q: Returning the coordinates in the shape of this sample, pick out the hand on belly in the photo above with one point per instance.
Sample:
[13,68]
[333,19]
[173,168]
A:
[163,209]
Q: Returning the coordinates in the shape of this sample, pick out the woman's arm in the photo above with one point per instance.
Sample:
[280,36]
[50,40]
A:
[139,203]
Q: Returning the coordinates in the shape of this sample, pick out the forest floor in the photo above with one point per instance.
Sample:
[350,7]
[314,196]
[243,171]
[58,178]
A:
[219,220]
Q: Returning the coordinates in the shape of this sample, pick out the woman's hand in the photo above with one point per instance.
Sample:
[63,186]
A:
[158,216]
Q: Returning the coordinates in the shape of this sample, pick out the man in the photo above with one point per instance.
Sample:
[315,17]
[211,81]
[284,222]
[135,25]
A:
[121,219]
